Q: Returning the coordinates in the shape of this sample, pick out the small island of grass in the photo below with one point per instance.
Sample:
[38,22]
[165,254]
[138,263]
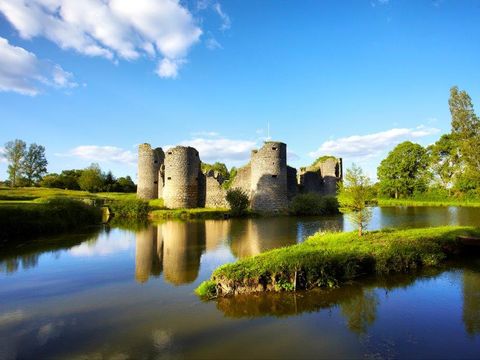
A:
[330,259]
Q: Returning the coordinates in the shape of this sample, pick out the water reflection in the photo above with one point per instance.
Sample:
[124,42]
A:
[471,302]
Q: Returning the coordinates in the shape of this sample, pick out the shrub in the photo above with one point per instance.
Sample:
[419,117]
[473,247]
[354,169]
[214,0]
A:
[238,201]
[313,204]
[130,209]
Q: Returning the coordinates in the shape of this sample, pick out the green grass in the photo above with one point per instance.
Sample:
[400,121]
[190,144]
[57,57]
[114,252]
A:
[51,216]
[418,202]
[327,260]
[198,213]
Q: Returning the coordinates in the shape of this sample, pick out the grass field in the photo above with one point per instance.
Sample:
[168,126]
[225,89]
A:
[327,260]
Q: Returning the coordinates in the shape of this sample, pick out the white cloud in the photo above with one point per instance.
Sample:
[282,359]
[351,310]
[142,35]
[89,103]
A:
[22,72]
[102,246]
[226,22]
[2,155]
[212,43]
[100,154]
[168,68]
[221,149]
[126,29]
[371,145]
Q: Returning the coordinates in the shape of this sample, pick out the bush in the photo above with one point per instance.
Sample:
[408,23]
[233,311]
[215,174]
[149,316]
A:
[313,204]
[130,209]
[238,201]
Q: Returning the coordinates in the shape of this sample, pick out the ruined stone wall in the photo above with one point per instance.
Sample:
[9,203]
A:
[215,193]
[182,170]
[332,172]
[149,164]
[269,177]
[292,185]
[311,182]
[243,179]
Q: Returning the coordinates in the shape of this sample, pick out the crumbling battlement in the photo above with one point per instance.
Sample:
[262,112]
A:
[267,179]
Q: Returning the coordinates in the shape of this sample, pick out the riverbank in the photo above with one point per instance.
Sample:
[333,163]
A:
[52,216]
[330,259]
[419,202]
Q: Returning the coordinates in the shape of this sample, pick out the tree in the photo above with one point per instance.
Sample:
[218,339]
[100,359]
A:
[238,201]
[465,127]
[109,183]
[14,153]
[218,167]
[92,179]
[34,164]
[445,160]
[126,184]
[354,194]
[404,170]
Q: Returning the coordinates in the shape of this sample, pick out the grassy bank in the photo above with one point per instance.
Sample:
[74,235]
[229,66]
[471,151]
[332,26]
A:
[428,202]
[53,216]
[327,260]
[185,214]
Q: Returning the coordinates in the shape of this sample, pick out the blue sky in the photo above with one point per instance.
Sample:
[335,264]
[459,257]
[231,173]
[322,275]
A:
[91,80]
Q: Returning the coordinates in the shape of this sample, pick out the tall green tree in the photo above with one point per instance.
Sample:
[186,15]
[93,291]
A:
[465,127]
[354,195]
[15,153]
[92,179]
[445,161]
[404,170]
[34,164]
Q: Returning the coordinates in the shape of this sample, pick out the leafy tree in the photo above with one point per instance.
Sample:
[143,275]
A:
[15,153]
[219,167]
[34,164]
[238,201]
[126,184]
[445,160]
[110,182]
[92,179]
[465,127]
[404,170]
[354,194]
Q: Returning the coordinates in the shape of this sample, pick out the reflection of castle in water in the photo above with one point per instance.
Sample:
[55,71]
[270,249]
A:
[471,302]
[175,248]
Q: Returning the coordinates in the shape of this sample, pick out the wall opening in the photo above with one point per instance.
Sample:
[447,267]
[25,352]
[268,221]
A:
[274,176]
[274,148]
[169,178]
[155,182]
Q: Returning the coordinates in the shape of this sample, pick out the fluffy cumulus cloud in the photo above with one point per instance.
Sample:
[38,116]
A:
[159,29]
[102,154]
[22,72]
[371,145]
[218,148]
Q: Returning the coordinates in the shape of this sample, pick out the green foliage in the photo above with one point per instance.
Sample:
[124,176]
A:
[238,201]
[404,171]
[316,164]
[14,153]
[218,167]
[327,259]
[44,218]
[354,196]
[207,289]
[189,214]
[34,164]
[444,160]
[313,204]
[91,179]
[465,128]
[130,209]
[233,174]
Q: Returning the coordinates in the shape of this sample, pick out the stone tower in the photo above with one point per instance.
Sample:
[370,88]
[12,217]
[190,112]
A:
[269,177]
[150,162]
[182,171]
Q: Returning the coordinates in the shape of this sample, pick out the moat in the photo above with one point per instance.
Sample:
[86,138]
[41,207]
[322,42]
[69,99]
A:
[122,294]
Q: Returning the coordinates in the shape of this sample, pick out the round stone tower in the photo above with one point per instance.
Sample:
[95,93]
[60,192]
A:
[182,170]
[269,177]
[149,163]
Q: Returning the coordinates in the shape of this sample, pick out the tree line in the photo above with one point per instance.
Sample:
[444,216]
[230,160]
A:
[27,166]
[449,167]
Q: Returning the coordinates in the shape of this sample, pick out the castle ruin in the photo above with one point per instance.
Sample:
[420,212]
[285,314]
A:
[176,176]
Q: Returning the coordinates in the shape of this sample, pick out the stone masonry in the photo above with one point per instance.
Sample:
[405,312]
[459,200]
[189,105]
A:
[270,183]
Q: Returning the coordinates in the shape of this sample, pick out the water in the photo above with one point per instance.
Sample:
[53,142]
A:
[129,294]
